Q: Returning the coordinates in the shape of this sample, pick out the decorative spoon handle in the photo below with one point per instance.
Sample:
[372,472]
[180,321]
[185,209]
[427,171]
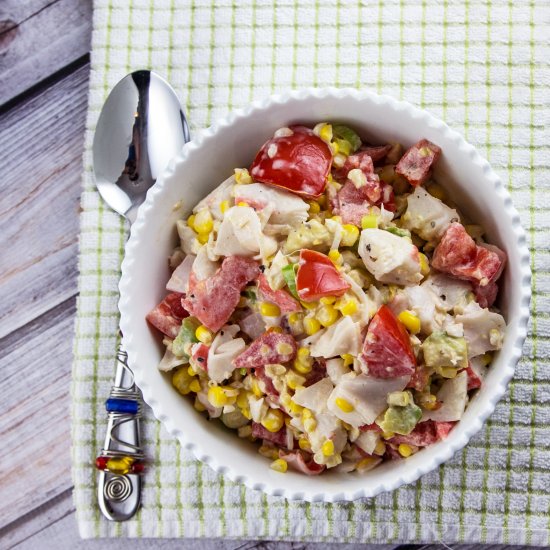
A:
[121,460]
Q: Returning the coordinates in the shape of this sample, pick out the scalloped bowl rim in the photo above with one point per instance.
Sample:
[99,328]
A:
[447,448]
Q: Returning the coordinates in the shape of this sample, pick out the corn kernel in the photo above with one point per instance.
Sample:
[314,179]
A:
[294,380]
[203,221]
[278,330]
[267,309]
[181,380]
[309,425]
[303,353]
[435,190]
[314,207]
[350,234]
[327,315]
[307,414]
[242,399]
[405,450]
[191,371]
[295,409]
[424,264]
[191,221]
[328,447]
[256,390]
[203,335]
[279,465]
[242,176]
[224,206]
[328,300]
[380,448]
[335,257]
[268,451]
[348,359]
[325,132]
[203,237]
[370,221]
[199,406]
[344,405]
[242,203]
[410,320]
[337,219]
[387,435]
[217,397]
[367,463]
[273,420]
[309,305]
[304,444]
[295,318]
[302,367]
[429,402]
[311,326]
[195,386]
[347,305]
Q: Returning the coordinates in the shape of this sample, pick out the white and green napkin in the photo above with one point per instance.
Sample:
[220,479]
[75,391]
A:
[482,66]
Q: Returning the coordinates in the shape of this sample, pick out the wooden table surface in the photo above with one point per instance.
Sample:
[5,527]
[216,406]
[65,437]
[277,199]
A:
[44,66]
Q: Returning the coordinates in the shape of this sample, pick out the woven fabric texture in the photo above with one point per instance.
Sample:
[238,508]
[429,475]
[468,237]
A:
[481,66]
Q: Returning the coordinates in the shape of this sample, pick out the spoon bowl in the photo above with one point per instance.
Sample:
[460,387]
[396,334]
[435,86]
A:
[140,128]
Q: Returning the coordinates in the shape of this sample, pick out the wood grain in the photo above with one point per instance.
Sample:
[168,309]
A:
[42,143]
[39,38]
[40,190]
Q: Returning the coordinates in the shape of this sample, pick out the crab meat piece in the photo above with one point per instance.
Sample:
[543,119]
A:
[483,329]
[453,396]
[391,259]
[285,209]
[428,216]
[366,394]
[223,351]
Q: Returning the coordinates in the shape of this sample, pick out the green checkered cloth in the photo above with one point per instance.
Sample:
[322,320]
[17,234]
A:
[481,66]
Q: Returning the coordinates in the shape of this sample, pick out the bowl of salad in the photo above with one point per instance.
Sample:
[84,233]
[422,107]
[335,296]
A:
[326,294]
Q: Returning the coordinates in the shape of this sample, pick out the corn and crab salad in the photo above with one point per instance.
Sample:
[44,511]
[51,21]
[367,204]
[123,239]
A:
[331,303]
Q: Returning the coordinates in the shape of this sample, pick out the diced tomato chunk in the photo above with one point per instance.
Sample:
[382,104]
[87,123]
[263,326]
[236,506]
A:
[269,348]
[299,162]
[387,350]
[286,303]
[317,277]
[213,300]
[424,434]
[459,255]
[415,165]
[474,381]
[167,316]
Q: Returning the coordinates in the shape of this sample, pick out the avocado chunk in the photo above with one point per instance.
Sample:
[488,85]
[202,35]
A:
[185,337]
[442,350]
[401,420]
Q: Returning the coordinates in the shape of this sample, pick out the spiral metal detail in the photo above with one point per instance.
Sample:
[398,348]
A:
[117,488]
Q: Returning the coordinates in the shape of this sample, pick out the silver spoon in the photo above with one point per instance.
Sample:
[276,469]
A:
[140,128]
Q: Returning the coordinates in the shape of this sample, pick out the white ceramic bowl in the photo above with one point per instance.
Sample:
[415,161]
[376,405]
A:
[208,160]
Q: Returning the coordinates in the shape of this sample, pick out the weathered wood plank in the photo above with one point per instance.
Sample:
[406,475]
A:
[41,142]
[34,412]
[38,38]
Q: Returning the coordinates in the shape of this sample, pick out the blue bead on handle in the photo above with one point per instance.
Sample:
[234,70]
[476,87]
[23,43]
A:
[121,406]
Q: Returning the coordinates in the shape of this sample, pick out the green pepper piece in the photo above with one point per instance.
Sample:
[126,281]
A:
[343,132]
[185,336]
[399,232]
[289,275]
